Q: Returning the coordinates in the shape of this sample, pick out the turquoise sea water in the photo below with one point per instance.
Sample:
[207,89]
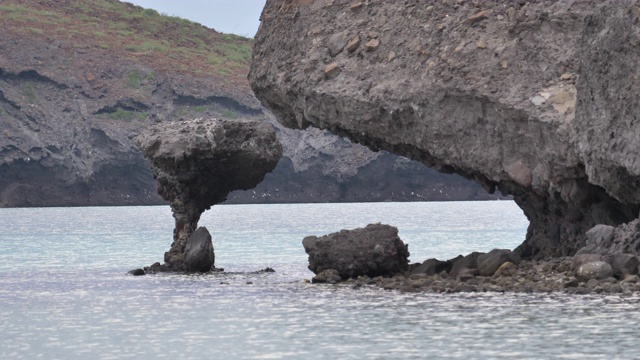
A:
[64,292]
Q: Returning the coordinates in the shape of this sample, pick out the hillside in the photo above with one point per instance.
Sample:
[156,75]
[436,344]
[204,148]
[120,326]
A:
[79,79]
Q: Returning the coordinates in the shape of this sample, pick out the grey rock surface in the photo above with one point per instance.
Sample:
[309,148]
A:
[432,266]
[594,270]
[67,124]
[465,262]
[199,255]
[375,250]
[490,262]
[623,264]
[492,91]
[197,163]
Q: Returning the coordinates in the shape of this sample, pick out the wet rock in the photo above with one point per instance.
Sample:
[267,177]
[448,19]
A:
[580,259]
[490,262]
[136,272]
[594,270]
[432,266]
[623,264]
[373,251]
[467,262]
[199,255]
[327,276]
[197,163]
[506,269]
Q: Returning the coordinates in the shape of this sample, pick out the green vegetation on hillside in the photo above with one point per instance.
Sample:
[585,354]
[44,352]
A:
[167,42]
[29,92]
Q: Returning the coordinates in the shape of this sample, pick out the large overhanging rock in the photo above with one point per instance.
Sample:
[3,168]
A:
[197,163]
[490,90]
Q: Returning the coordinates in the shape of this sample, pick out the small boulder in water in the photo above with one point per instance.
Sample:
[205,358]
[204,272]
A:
[375,250]
[136,272]
[327,276]
[199,256]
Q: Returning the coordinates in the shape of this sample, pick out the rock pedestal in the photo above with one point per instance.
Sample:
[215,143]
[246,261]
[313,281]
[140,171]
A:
[197,163]
[375,250]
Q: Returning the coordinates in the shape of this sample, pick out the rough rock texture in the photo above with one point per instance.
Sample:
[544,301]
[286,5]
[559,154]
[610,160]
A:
[536,99]
[198,252]
[72,98]
[197,163]
[490,262]
[373,251]
[318,166]
[594,270]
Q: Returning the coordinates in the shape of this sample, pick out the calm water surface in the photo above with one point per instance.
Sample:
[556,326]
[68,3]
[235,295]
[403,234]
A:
[64,293]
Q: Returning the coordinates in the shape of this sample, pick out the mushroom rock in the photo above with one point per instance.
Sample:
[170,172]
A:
[536,100]
[198,163]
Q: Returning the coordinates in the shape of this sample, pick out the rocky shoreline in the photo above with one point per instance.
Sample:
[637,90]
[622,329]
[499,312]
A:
[375,255]
[536,276]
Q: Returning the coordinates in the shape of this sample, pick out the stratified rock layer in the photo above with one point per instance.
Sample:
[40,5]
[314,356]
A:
[492,91]
[197,163]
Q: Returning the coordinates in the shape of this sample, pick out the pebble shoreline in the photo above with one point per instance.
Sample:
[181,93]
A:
[547,276]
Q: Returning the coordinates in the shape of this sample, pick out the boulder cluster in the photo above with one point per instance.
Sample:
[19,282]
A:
[375,255]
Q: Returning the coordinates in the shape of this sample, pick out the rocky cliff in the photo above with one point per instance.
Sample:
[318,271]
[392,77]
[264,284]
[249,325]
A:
[79,79]
[535,99]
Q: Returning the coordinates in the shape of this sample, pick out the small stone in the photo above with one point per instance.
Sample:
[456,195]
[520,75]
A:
[353,44]
[506,269]
[356,5]
[332,70]
[372,44]
[594,270]
[538,100]
[136,272]
[330,276]
[477,17]
[505,64]
[440,27]
[391,57]
[566,76]
[592,283]
[481,44]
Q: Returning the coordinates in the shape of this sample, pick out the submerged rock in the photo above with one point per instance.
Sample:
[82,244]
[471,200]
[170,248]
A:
[197,163]
[373,251]
[136,272]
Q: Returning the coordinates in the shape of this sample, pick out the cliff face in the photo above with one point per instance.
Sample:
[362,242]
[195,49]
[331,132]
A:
[536,99]
[79,79]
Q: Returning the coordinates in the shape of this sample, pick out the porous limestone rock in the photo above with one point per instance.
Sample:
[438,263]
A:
[535,99]
[197,163]
[375,250]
